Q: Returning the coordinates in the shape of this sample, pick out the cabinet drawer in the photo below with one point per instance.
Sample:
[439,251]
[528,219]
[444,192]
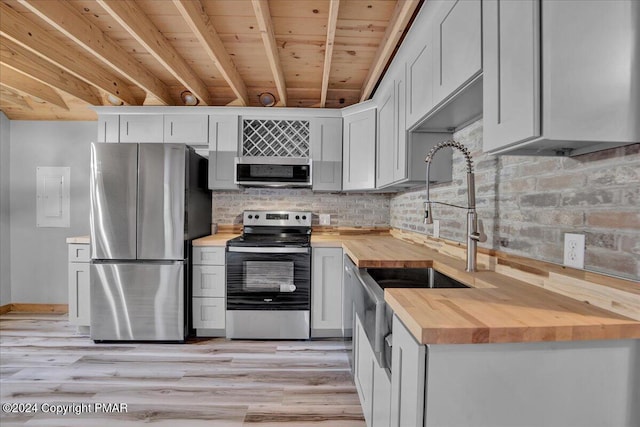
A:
[207,255]
[208,281]
[79,252]
[209,313]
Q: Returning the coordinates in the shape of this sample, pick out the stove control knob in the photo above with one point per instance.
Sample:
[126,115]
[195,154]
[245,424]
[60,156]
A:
[297,216]
[257,216]
[250,216]
[304,217]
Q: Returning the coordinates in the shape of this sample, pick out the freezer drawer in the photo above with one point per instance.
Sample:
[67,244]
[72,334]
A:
[137,301]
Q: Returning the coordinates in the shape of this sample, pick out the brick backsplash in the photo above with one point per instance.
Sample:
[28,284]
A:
[525,204]
[346,210]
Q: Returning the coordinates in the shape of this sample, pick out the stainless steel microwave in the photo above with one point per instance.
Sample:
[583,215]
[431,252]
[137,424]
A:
[273,171]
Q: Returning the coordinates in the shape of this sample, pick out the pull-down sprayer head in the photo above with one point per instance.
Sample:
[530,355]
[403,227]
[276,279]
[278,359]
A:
[471,196]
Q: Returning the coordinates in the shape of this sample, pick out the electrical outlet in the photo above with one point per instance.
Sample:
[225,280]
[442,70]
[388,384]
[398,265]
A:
[436,228]
[574,250]
[325,219]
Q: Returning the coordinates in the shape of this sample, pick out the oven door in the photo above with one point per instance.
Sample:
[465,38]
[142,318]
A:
[268,278]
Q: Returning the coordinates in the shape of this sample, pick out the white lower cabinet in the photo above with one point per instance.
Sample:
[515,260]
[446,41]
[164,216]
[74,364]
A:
[79,284]
[326,292]
[407,379]
[372,381]
[508,384]
[208,287]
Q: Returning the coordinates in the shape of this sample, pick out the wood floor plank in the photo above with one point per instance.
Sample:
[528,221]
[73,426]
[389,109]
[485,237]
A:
[212,382]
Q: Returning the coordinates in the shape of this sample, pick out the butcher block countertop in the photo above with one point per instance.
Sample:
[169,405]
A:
[496,309]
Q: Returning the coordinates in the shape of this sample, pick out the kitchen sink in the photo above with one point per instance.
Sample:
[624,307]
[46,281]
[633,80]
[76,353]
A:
[412,278]
[375,315]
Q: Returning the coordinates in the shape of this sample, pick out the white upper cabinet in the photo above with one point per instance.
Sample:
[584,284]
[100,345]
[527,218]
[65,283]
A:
[458,46]
[577,92]
[224,134]
[326,153]
[387,141]
[511,75]
[443,57]
[108,128]
[192,129]
[420,67]
[141,128]
[359,150]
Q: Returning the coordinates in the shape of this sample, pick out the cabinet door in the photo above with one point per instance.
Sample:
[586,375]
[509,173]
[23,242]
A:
[364,366]
[591,71]
[400,149]
[420,75]
[381,404]
[359,151]
[79,252]
[141,128]
[192,129]
[458,53]
[108,128]
[511,76]
[79,297]
[208,281]
[223,149]
[208,313]
[326,153]
[326,288]
[387,140]
[407,378]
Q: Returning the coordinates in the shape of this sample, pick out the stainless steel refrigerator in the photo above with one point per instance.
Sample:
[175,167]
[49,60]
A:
[148,201]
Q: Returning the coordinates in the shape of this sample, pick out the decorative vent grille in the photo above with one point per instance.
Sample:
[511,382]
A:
[275,138]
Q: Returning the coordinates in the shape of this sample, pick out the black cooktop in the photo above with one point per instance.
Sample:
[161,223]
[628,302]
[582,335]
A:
[271,240]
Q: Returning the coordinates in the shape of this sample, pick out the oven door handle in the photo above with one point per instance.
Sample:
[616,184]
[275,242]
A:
[268,250]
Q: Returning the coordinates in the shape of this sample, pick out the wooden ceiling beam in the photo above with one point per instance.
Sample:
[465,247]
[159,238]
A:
[133,19]
[26,62]
[199,22]
[31,36]
[8,96]
[397,24]
[68,20]
[24,84]
[334,5]
[263,15]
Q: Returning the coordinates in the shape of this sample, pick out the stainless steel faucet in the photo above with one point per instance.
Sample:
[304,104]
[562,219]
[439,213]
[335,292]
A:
[472,218]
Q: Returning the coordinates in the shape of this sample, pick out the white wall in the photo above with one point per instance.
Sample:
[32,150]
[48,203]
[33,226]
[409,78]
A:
[39,255]
[5,239]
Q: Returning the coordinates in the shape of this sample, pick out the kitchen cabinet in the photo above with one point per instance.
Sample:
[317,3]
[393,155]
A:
[192,129]
[391,165]
[208,291]
[407,379]
[142,128]
[326,292]
[559,77]
[443,60]
[108,128]
[420,69]
[532,383]
[326,153]
[79,285]
[224,134]
[457,46]
[359,149]
[372,382]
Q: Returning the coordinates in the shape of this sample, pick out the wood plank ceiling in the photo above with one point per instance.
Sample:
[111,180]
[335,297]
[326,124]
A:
[59,57]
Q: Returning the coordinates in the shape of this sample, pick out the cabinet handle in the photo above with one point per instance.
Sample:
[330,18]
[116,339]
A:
[127,128]
[171,128]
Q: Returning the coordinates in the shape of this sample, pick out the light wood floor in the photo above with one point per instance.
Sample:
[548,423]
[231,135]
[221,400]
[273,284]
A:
[207,382]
